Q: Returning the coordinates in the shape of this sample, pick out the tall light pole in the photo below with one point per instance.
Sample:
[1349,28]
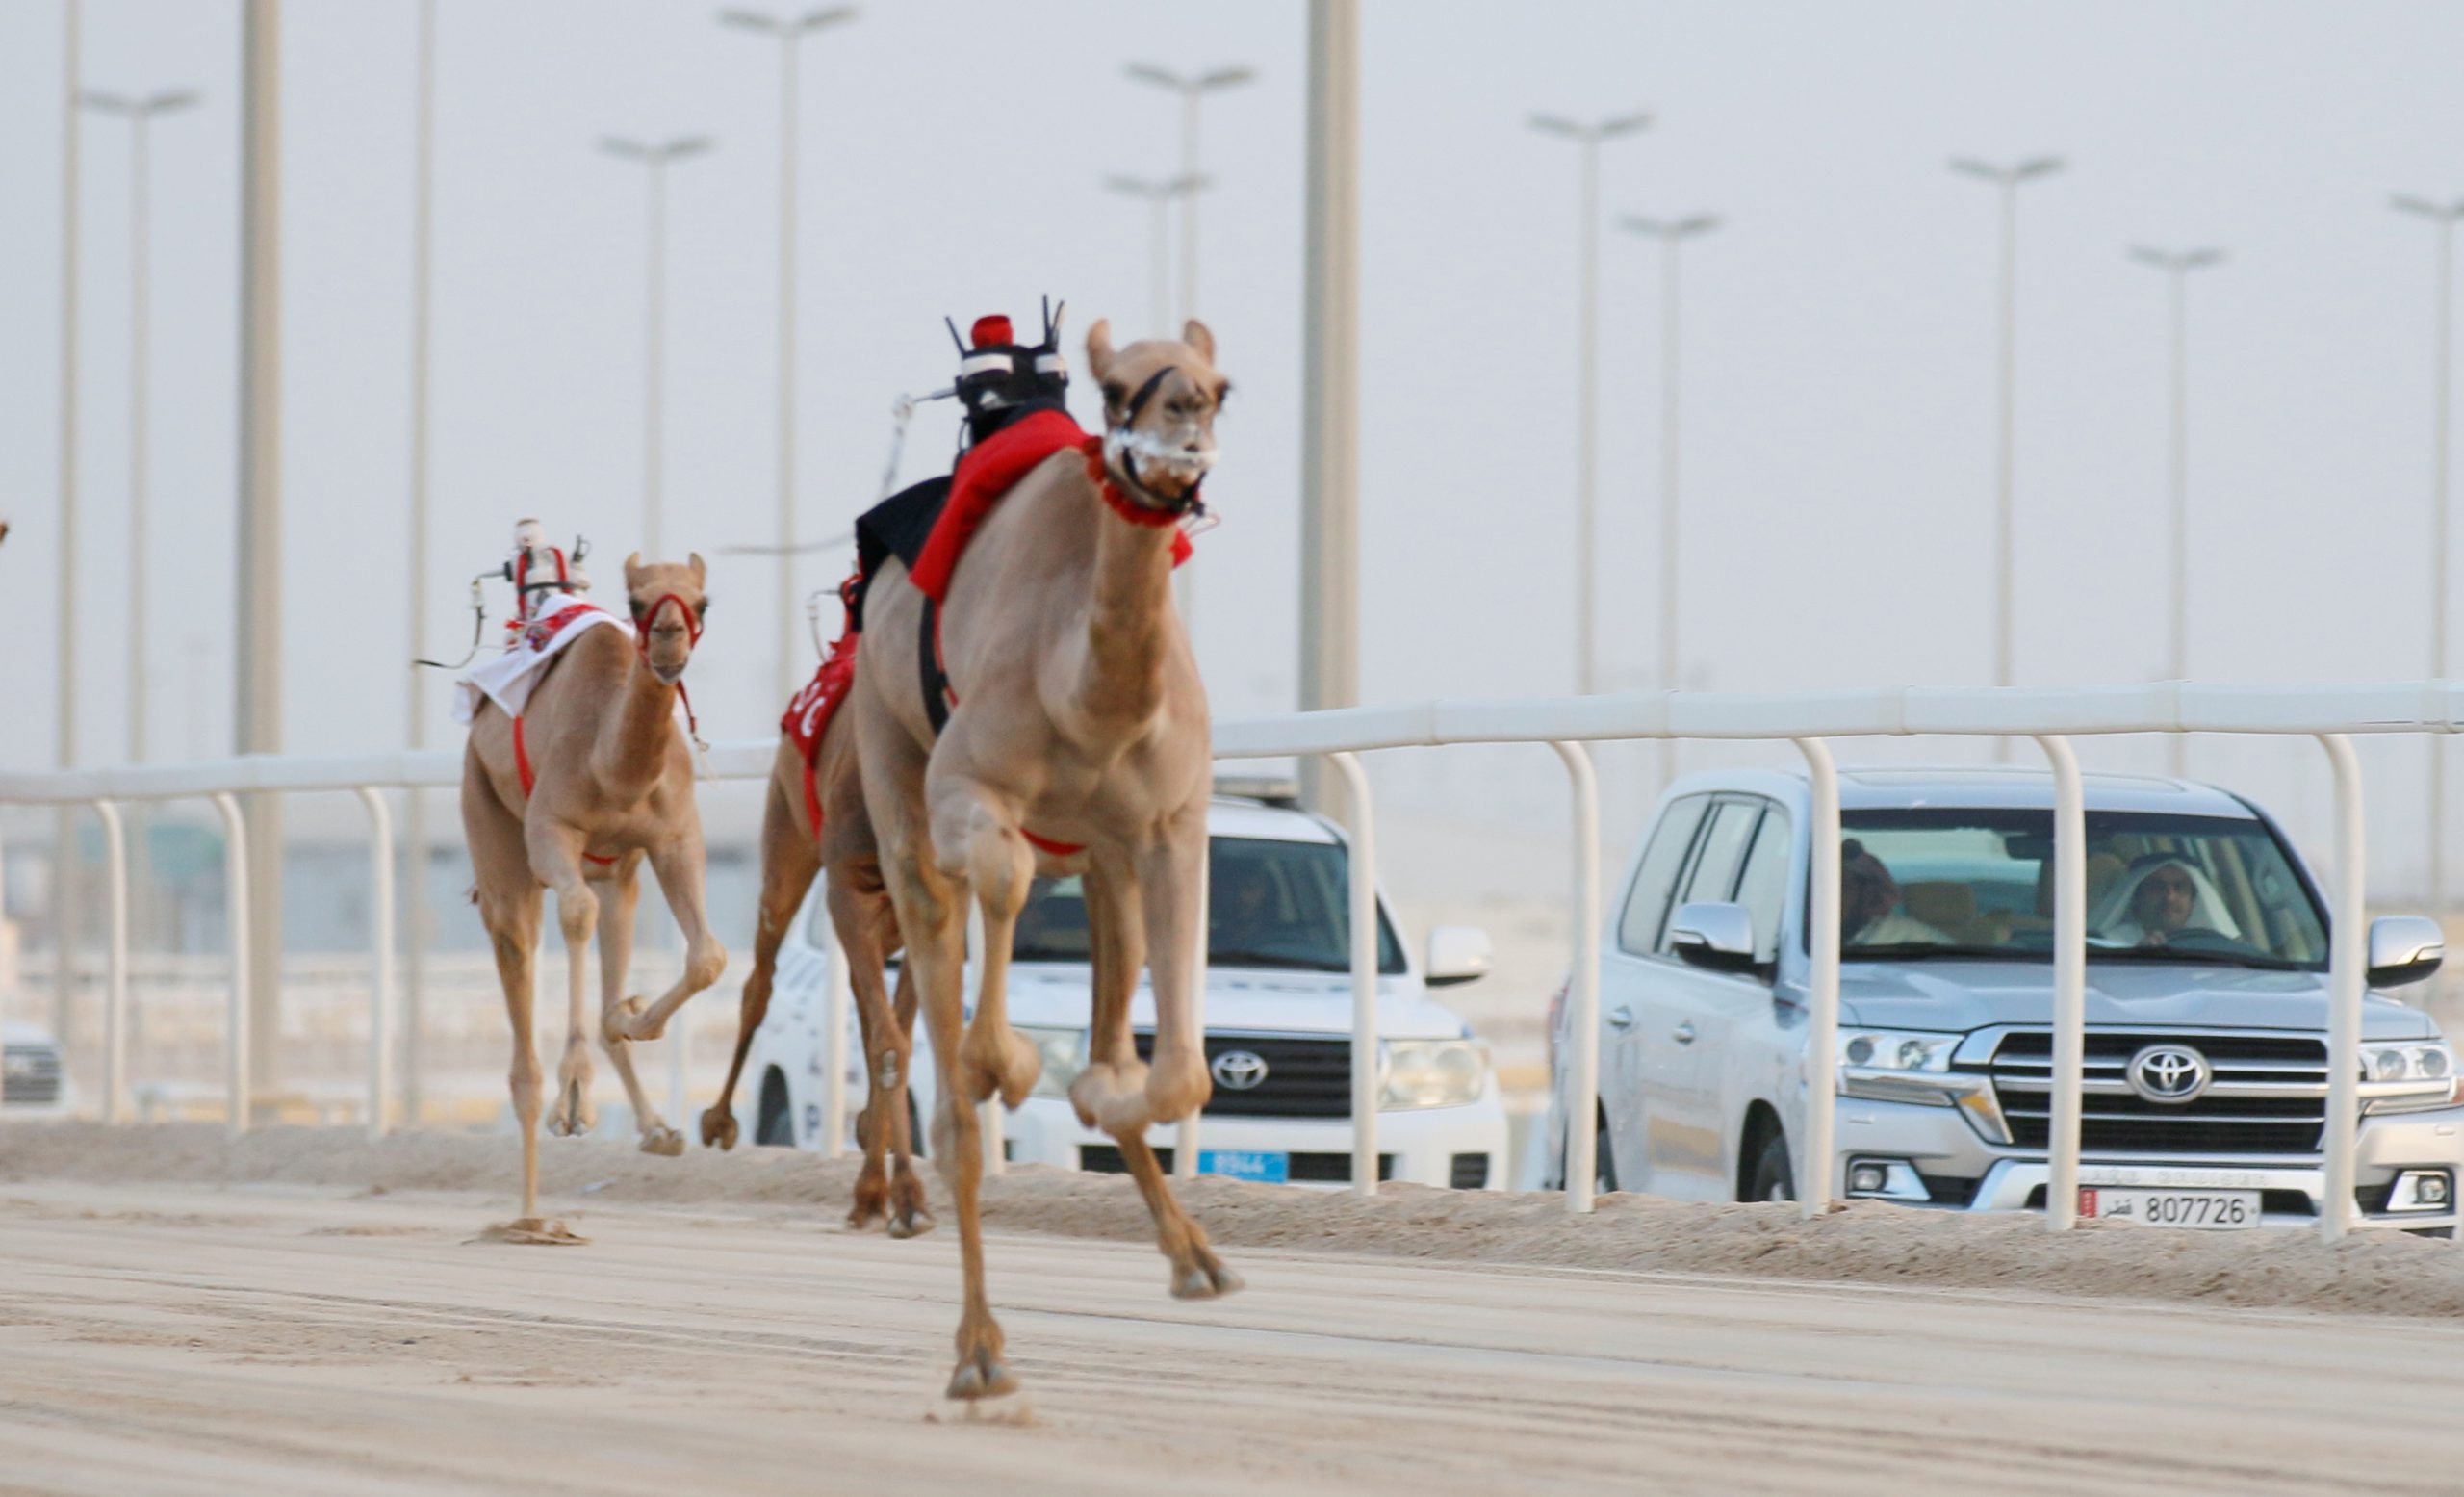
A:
[2005,366]
[414,913]
[1330,384]
[139,113]
[1158,197]
[1587,372]
[657,157]
[1672,234]
[257,648]
[2442,216]
[789,31]
[63,855]
[1191,87]
[2177,267]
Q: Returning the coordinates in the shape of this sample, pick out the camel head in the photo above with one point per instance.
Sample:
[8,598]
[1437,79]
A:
[668,607]
[1160,400]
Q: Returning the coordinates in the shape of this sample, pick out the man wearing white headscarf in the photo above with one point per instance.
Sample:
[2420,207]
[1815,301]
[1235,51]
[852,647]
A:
[1869,911]
[2161,896]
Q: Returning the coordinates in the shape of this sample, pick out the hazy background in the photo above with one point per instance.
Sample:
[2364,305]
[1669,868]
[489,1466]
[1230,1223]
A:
[1838,342]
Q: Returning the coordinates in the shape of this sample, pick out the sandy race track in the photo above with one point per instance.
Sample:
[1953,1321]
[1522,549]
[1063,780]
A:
[306,1314]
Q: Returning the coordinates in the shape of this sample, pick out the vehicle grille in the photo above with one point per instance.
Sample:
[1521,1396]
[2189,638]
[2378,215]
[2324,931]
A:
[1305,1078]
[2268,1096]
[34,1076]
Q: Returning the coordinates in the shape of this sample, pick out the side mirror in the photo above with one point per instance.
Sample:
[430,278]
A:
[1457,954]
[2404,949]
[1718,938]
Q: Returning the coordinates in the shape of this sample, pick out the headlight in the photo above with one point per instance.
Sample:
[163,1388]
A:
[1064,1055]
[1898,1066]
[2426,1064]
[1890,1050]
[19,1064]
[1433,1074]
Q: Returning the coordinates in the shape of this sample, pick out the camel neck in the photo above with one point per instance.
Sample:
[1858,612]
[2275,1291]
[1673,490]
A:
[1129,618]
[631,750]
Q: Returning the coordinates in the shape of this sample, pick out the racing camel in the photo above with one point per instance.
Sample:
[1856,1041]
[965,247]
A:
[591,781]
[1076,741]
[813,822]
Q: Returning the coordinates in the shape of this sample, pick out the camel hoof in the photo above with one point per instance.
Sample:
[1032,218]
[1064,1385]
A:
[913,1223]
[718,1129]
[572,1114]
[982,1375]
[531,1232]
[1204,1282]
[663,1141]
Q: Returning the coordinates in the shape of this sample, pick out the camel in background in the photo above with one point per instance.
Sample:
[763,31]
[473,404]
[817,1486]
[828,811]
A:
[613,789]
[1076,742]
[814,821]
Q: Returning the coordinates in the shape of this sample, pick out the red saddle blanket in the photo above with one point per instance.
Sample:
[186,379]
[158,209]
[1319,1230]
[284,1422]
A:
[987,472]
[808,714]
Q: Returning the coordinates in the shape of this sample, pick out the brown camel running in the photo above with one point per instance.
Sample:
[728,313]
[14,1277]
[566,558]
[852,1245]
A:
[868,934]
[1080,723]
[613,789]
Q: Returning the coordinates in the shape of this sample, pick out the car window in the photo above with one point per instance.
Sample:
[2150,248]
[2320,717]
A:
[1762,888]
[1270,904]
[1717,856]
[1647,903]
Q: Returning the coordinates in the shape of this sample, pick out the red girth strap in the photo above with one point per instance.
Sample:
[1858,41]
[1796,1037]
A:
[1057,849]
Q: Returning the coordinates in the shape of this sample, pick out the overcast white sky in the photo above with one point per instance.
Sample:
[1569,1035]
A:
[1838,337]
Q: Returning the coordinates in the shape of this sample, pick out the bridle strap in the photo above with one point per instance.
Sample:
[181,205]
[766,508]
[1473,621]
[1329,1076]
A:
[1123,480]
[692,636]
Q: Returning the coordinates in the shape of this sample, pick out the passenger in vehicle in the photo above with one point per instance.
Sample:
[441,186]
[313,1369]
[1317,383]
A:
[1869,900]
[1240,907]
[2161,895]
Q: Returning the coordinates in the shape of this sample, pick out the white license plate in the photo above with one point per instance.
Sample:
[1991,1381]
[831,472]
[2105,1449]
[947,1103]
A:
[2208,1210]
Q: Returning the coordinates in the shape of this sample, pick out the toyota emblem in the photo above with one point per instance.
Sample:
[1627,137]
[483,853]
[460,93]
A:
[2169,1074]
[1240,1070]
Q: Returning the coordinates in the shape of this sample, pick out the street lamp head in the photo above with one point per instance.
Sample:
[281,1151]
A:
[1161,77]
[2008,176]
[1169,187]
[624,150]
[2169,260]
[1670,228]
[1624,124]
[1226,77]
[2040,167]
[2406,202]
[684,146]
[1553,124]
[827,15]
[170,99]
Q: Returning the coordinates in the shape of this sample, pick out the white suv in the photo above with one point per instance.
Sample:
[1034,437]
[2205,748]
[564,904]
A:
[1278,1021]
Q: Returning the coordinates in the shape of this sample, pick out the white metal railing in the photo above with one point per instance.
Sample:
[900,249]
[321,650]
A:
[2329,714]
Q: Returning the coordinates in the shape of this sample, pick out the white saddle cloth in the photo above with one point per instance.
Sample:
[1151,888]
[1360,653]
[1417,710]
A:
[509,678]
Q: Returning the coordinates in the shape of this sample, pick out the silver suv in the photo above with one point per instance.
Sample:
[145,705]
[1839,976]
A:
[2206,1076]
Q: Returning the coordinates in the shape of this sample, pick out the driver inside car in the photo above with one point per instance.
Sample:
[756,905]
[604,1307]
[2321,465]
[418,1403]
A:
[2158,898]
[1240,907]
[1869,911]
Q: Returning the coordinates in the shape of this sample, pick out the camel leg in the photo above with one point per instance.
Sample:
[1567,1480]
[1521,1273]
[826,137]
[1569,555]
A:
[789,860]
[1177,1082]
[910,1215]
[615,963]
[556,856]
[1111,1092]
[998,866]
[860,916]
[508,898]
[678,866]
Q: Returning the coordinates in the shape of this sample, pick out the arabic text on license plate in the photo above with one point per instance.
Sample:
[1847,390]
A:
[2209,1209]
[1272,1167]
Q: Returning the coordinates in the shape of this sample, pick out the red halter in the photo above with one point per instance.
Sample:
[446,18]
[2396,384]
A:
[692,637]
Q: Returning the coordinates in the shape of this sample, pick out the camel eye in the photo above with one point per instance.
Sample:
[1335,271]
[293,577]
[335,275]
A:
[701,610]
[1115,392]
[638,611]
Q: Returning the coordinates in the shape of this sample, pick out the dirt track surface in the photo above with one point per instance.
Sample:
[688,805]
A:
[274,1323]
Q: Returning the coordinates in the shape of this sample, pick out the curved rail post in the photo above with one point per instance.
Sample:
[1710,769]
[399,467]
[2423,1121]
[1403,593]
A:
[834,1050]
[1362,861]
[235,883]
[380,961]
[1816,1169]
[2347,953]
[115,972]
[1185,1141]
[2069,980]
[1582,994]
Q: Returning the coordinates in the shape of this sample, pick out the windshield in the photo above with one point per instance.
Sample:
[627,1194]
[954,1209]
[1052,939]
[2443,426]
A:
[1270,904]
[1943,883]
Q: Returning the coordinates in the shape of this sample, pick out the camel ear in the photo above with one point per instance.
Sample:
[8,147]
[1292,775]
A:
[632,566]
[701,573]
[1099,349]
[1195,335]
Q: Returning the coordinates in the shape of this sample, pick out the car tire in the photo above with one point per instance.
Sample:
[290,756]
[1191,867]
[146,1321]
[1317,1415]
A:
[1774,1177]
[777,1128]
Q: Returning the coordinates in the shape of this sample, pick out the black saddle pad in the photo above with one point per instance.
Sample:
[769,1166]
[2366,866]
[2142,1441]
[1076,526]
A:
[896,527]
